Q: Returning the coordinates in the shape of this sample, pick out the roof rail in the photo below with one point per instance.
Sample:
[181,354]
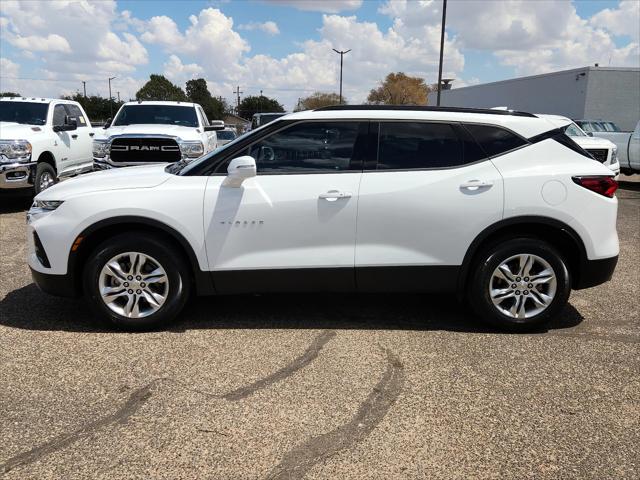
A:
[421,108]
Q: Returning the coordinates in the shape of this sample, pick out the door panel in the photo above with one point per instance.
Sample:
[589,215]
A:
[281,223]
[422,218]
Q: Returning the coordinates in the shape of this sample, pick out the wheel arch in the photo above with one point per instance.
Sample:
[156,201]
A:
[96,233]
[557,233]
[47,157]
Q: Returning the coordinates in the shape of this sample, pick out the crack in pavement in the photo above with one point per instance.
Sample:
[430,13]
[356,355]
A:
[297,462]
[300,362]
[137,398]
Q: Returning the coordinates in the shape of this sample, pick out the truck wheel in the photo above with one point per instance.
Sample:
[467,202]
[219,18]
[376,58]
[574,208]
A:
[45,177]
[136,282]
[520,284]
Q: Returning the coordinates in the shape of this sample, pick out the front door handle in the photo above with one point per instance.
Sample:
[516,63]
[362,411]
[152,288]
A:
[333,195]
[74,135]
[91,134]
[476,184]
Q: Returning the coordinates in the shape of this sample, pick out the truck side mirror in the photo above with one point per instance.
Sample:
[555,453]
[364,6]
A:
[107,124]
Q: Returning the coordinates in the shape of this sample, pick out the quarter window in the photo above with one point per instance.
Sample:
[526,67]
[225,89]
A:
[495,140]
[311,147]
[417,145]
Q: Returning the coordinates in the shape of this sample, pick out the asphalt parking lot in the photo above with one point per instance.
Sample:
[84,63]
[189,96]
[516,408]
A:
[385,386]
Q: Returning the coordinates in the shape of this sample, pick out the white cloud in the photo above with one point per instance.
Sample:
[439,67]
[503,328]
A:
[326,6]
[532,37]
[35,43]
[268,27]
[178,72]
[624,20]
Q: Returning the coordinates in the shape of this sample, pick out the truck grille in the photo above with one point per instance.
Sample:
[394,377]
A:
[142,150]
[600,154]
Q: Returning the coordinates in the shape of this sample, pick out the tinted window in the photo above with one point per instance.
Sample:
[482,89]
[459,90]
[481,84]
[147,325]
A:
[408,145]
[24,112]
[75,114]
[58,115]
[495,140]
[308,147]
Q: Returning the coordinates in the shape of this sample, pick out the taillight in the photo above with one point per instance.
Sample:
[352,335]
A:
[604,185]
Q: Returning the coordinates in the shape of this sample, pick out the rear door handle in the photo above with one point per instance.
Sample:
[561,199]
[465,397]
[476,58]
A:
[476,184]
[333,195]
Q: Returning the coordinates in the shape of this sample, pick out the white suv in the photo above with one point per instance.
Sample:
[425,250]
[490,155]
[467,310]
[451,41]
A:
[500,207]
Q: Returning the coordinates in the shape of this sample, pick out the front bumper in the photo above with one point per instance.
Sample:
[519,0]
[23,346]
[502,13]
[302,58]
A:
[595,272]
[58,285]
[17,175]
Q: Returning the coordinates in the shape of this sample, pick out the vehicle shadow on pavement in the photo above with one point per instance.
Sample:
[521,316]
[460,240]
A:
[15,202]
[28,308]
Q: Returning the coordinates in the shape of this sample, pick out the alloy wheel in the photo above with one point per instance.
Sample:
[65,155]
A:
[133,285]
[523,286]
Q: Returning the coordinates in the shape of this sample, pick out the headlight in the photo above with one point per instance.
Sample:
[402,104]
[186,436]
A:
[41,208]
[101,148]
[191,149]
[47,204]
[15,151]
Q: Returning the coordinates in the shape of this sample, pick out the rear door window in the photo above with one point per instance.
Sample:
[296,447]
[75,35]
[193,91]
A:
[495,140]
[418,145]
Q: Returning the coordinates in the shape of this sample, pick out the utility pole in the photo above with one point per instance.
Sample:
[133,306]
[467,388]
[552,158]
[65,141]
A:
[84,88]
[342,54]
[260,102]
[237,93]
[118,96]
[444,18]
[110,98]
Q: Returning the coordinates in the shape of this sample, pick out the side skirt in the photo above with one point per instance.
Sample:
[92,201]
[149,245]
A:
[428,279]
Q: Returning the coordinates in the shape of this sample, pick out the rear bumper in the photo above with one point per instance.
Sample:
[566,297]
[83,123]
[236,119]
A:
[595,272]
[58,285]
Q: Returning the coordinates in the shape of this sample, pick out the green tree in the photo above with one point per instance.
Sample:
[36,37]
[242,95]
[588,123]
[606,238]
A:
[400,89]
[159,88]
[318,100]
[258,104]
[198,92]
[9,94]
[97,108]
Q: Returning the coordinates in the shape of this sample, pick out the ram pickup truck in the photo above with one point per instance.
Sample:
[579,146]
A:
[628,144]
[602,150]
[42,140]
[154,132]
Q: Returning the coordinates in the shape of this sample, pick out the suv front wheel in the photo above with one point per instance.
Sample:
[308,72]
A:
[520,284]
[134,282]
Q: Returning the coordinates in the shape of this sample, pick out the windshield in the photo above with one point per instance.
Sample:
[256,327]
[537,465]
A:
[226,135]
[157,115]
[24,112]
[574,131]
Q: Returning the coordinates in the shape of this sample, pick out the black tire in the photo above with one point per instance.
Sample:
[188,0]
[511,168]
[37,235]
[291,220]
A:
[163,252]
[44,171]
[493,256]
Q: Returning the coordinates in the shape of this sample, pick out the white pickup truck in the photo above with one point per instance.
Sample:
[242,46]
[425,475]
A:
[42,140]
[628,144]
[147,132]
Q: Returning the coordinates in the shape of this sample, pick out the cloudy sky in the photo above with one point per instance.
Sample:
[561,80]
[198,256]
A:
[284,47]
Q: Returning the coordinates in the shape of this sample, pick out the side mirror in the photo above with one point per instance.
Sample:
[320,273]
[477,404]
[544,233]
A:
[212,128]
[590,134]
[72,125]
[107,124]
[239,170]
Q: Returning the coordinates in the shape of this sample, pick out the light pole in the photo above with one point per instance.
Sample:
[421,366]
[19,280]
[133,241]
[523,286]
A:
[110,98]
[444,18]
[84,87]
[342,54]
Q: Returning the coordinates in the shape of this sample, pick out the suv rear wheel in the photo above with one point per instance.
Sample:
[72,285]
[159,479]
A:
[520,284]
[134,282]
